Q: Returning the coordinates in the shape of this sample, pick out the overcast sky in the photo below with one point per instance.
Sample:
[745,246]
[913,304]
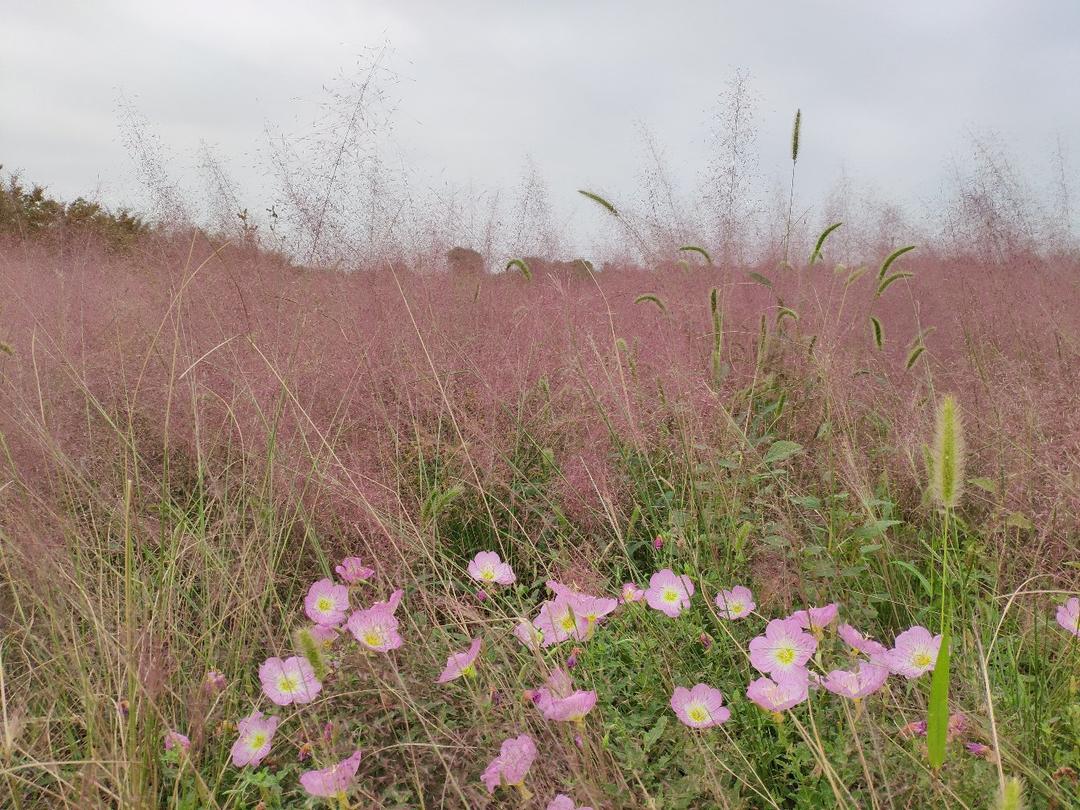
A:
[887,89]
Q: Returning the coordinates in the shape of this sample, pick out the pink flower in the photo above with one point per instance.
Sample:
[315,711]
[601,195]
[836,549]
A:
[856,685]
[572,707]
[778,695]
[487,566]
[816,619]
[980,750]
[1068,616]
[353,570]
[631,593]
[699,707]
[564,802]
[957,726]
[289,681]
[514,760]
[376,628]
[558,620]
[529,635]
[860,643]
[589,608]
[174,739]
[332,781]
[736,603]
[323,634]
[214,682]
[783,649]
[461,663]
[669,593]
[327,603]
[256,736]
[392,603]
[658,542]
[914,652]
[481,595]
[914,729]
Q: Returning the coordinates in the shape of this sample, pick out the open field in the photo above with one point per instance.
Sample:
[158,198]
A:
[192,433]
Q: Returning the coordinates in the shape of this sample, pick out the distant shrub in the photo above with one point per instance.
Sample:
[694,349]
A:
[31,212]
[464,261]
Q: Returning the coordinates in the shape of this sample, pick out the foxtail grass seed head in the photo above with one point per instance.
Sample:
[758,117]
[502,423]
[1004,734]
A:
[947,481]
[795,131]
[312,650]
[1011,796]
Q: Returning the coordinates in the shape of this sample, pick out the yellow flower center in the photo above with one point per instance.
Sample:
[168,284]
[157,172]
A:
[287,684]
[735,608]
[257,740]
[469,671]
[921,659]
[698,713]
[671,595]
[567,623]
[785,655]
[487,575]
[324,604]
[373,638]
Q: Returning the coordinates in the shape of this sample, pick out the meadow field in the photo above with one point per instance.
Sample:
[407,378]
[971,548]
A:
[195,435]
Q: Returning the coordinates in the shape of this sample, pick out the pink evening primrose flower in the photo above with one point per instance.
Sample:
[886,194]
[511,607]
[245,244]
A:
[214,682]
[332,781]
[376,628]
[856,685]
[558,620]
[736,603]
[783,649]
[174,739]
[324,634]
[572,707]
[699,707]
[564,802]
[779,695]
[631,593]
[1068,616]
[461,663]
[487,566]
[914,652]
[353,570]
[514,760]
[669,593]
[327,603]
[256,736]
[289,681]
[816,619]
[529,635]
[392,603]
[860,643]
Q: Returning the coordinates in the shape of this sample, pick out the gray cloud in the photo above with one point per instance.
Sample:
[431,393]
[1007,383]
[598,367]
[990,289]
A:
[887,89]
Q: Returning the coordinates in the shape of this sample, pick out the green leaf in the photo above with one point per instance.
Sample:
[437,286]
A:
[654,733]
[760,279]
[1018,521]
[937,718]
[911,569]
[781,450]
[985,484]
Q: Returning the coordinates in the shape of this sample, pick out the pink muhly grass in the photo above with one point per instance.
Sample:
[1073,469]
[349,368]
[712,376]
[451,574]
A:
[860,643]
[461,663]
[290,681]
[564,802]
[783,649]
[326,603]
[333,781]
[668,593]
[914,653]
[353,570]
[376,628]
[174,739]
[738,603]
[1068,616]
[816,619]
[701,706]
[488,567]
[631,593]
[256,737]
[512,764]
[866,680]
[778,695]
